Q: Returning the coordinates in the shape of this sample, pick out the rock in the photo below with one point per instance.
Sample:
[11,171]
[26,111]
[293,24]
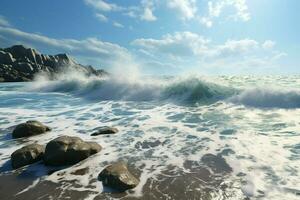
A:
[6,58]
[105,130]
[18,63]
[27,155]
[18,51]
[23,67]
[64,59]
[29,128]
[117,176]
[66,150]
[94,147]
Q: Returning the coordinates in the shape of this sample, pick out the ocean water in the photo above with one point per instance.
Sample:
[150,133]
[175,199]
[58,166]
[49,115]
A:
[227,137]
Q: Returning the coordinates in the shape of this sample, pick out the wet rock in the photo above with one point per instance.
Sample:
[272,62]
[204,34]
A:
[216,163]
[94,147]
[105,130]
[27,155]
[66,150]
[118,177]
[29,128]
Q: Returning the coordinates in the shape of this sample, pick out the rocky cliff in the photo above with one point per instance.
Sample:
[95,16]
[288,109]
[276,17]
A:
[18,63]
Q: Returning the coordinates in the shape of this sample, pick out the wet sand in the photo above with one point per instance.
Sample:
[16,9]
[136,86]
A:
[195,181]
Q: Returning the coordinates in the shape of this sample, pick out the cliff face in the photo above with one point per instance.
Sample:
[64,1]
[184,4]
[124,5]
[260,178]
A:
[18,64]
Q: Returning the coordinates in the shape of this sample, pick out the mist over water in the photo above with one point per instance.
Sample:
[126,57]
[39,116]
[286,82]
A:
[169,127]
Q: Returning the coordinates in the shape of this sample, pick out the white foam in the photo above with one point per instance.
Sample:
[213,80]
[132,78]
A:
[261,142]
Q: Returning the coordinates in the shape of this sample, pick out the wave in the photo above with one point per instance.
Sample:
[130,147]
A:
[188,90]
[268,98]
[184,90]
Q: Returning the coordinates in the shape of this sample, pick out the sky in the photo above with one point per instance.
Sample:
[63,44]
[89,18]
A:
[165,37]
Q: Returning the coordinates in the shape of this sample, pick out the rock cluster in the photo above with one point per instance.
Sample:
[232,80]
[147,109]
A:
[67,150]
[18,64]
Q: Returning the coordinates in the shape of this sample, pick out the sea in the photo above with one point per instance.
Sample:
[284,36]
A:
[184,137]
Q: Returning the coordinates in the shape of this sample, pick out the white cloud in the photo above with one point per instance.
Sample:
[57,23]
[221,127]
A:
[148,15]
[117,24]
[242,9]
[268,44]
[4,21]
[235,47]
[190,50]
[217,7]
[102,5]
[101,18]
[89,50]
[182,44]
[176,45]
[131,13]
[206,21]
[186,8]
[147,10]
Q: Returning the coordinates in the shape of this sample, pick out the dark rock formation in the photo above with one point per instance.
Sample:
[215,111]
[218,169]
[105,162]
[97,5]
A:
[29,128]
[117,176]
[104,131]
[18,64]
[27,155]
[66,150]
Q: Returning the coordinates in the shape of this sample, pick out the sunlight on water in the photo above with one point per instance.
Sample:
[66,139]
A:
[169,131]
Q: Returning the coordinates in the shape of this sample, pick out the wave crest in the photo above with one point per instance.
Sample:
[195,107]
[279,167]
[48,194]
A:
[268,98]
[187,90]
[180,90]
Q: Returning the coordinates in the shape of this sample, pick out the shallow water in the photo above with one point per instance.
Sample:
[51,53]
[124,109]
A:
[169,131]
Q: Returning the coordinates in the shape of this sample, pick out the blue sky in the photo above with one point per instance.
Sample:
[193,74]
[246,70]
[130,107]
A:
[161,36]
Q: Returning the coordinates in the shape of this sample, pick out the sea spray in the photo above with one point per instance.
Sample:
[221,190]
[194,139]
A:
[268,98]
[189,90]
[162,141]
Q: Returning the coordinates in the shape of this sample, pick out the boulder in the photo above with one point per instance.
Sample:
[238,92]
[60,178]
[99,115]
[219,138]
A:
[29,128]
[104,131]
[27,155]
[118,177]
[66,150]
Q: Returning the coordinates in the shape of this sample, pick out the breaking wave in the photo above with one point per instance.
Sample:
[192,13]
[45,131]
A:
[187,90]
[268,98]
[181,90]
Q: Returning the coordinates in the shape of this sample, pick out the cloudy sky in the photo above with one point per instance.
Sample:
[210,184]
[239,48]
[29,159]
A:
[161,36]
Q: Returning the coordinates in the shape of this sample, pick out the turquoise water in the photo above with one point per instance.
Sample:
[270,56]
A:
[165,123]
